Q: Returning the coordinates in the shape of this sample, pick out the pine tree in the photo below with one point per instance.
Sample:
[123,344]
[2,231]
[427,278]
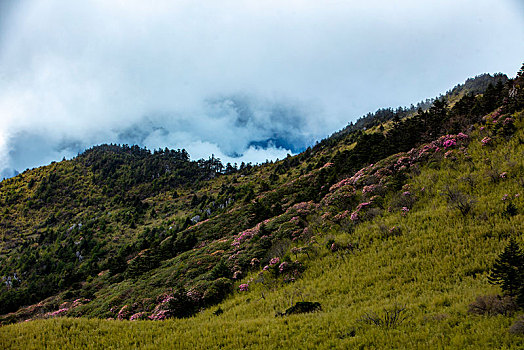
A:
[508,270]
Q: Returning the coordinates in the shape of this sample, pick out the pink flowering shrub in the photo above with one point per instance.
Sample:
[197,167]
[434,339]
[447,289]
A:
[341,216]
[194,295]
[371,189]
[486,141]
[64,307]
[243,287]
[302,209]
[462,136]
[449,143]
[363,206]
[342,197]
[138,316]
[283,267]
[286,269]
[274,261]
[247,234]
[59,312]
[295,220]
[124,313]
[159,315]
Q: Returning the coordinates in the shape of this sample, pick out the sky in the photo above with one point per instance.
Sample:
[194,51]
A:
[243,80]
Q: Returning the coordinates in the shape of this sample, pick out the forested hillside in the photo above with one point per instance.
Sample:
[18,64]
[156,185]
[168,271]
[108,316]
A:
[385,233]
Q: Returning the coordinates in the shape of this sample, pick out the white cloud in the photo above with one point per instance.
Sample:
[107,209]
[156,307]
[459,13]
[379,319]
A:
[220,76]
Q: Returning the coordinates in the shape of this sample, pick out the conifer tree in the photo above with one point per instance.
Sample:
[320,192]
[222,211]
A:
[508,270]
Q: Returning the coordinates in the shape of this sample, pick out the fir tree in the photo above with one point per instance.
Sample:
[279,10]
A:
[508,270]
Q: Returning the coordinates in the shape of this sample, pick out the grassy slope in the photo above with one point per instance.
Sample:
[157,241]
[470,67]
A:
[435,268]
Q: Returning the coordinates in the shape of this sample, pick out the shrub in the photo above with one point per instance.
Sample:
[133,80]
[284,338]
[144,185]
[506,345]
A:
[179,305]
[303,307]
[518,326]
[391,318]
[217,290]
[459,200]
[493,305]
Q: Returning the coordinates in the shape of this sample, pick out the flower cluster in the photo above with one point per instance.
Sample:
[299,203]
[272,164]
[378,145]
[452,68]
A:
[274,261]
[486,141]
[65,307]
[493,117]
[138,316]
[363,205]
[161,311]
[235,255]
[341,216]
[243,287]
[462,136]
[245,235]
[303,208]
[58,312]
[295,220]
[449,143]
[341,196]
[371,188]
[356,177]
[195,295]
[159,315]
[283,267]
[124,313]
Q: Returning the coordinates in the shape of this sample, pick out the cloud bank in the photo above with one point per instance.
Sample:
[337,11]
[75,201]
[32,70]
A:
[244,80]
